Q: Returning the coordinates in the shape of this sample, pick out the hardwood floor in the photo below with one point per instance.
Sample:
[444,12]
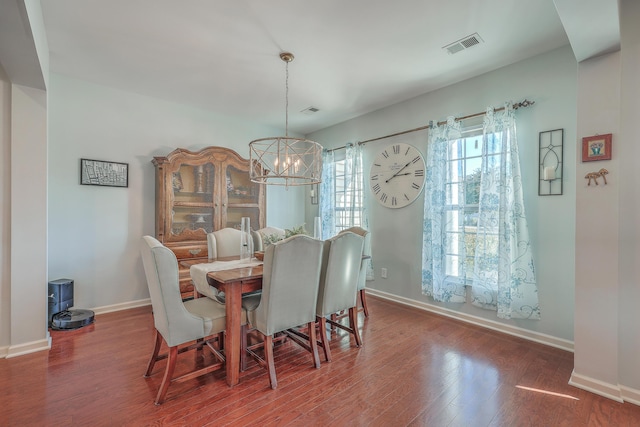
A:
[415,369]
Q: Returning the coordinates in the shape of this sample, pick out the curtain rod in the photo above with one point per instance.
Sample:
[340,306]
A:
[523,104]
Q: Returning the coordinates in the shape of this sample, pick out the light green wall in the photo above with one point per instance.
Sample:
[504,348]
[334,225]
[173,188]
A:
[94,232]
[550,81]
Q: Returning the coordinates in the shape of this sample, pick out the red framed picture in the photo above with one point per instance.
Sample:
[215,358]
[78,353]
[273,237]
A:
[597,147]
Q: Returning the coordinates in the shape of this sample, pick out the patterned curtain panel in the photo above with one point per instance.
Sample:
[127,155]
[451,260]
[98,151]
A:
[504,275]
[437,280]
[477,236]
[327,199]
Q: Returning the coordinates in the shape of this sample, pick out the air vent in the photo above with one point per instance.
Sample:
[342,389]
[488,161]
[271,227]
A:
[462,44]
[310,110]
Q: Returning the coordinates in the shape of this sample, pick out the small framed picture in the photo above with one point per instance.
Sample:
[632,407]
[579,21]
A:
[597,147]
[100,172]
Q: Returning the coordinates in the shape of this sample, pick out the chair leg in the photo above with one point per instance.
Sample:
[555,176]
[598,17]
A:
[221,341]
[268,356]
[154,354]
[313,341]
[243,348]
[363,301]
[168,373]
[334,318]
[322,330]
[353,324]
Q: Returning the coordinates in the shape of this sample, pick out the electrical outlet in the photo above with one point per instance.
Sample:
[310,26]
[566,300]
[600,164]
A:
[383,273]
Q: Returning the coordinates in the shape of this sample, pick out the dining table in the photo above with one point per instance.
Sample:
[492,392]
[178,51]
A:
[234,282]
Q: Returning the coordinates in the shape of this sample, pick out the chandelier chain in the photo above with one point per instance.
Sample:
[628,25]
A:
[286,102]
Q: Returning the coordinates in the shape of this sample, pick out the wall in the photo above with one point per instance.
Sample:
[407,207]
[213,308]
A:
[28,240]
[629,152]
[550,81]
[597,227]
[95,231]
[5,211]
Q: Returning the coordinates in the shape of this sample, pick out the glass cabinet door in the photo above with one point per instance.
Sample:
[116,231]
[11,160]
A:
[243,198]
[192,206]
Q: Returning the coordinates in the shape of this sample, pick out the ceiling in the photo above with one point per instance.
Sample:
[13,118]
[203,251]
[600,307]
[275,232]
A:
[351,57]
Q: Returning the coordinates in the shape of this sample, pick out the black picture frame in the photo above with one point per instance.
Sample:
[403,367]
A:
[104,173]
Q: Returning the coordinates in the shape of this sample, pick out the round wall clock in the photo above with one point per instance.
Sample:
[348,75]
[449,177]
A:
[397,175]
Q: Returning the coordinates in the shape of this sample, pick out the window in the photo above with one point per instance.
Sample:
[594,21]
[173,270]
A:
[348,197]
[475,237]
[462,190]
[341,191]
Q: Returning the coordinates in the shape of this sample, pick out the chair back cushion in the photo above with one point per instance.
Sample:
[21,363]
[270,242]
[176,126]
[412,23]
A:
[291,275]
[341,262]
[366,251]
[260,235]
[171,318]
[224,243]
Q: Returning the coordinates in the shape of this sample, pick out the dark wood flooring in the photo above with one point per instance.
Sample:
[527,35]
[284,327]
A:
[415,369]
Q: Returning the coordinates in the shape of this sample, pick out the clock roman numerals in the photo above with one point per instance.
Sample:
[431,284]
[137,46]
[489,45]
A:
[397,175]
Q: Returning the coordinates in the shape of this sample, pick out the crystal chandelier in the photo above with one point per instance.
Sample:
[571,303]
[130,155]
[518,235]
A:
[284,160]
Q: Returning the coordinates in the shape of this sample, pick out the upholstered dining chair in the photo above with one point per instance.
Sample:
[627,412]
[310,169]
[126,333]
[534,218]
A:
[260,235]
[337,292]
[224,243]
[362,277]
[291,274]
[220,244]
[178,322]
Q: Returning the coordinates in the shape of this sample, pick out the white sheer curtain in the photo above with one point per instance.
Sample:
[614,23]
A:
[503,276]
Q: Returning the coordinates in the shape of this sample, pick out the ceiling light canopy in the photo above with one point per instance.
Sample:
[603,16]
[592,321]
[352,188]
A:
[284,160]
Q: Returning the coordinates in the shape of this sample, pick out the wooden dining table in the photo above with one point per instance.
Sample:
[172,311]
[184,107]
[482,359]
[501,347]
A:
[234,283]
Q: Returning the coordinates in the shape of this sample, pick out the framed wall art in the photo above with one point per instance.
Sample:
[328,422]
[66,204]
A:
[597,147]
[100,172]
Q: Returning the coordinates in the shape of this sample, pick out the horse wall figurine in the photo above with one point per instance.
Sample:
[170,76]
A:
[595,175]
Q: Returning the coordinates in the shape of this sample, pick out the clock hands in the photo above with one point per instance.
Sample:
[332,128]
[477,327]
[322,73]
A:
[398,173]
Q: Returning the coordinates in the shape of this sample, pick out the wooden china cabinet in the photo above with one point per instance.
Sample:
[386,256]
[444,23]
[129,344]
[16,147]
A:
[200,192]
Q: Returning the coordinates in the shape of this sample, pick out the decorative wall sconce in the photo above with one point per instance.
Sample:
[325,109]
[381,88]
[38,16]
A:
[550,162]
[313,193]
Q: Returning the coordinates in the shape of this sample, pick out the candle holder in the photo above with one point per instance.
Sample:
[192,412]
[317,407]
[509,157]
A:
[550,162]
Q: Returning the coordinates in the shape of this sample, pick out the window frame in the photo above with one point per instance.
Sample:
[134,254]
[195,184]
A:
[459,264]
[340,203]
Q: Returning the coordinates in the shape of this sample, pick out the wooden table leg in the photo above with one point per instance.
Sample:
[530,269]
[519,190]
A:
[233,296]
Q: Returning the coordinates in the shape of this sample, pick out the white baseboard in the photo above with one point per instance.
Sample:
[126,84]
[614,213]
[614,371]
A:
[122,306]
[479,321]
[630,395]
[611,391]
[30,347]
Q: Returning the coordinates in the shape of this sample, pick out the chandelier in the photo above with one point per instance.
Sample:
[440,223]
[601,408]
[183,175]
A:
[285,160]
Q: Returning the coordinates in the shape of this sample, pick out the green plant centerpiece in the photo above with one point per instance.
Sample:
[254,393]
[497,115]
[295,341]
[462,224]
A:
[270,239]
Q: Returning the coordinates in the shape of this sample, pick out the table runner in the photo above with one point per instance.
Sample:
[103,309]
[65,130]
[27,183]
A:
[199,273]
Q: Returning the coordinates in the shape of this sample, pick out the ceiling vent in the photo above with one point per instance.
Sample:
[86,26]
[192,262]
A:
[462,44]
[310,110]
